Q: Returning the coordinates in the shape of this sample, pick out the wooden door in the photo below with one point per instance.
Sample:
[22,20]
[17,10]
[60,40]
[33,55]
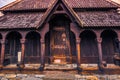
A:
[60,45]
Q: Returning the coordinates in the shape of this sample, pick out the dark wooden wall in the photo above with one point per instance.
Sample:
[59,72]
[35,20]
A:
[47,48]
[89,50]
[108,45]
[32,49]
[73,47]
[13,46]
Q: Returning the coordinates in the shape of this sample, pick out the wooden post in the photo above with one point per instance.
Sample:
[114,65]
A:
[2,52]
[78,51]
[42,55]
[99,41]
[101,63]
[22,52]
[78,54]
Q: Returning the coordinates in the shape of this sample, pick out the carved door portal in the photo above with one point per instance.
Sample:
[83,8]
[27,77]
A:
[60,45]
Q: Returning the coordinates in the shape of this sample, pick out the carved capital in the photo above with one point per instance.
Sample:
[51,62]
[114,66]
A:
[99,40]
[78,40]
[22,41]
[42,41]
[2,41]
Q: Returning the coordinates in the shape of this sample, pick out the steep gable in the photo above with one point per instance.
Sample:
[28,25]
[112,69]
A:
[58,7]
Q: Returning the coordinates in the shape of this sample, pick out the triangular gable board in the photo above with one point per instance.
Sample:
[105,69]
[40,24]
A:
[57,7]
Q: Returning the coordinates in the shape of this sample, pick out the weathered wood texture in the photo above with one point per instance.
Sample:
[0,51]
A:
[12,47]
[41,4]
[108,45]
[89,49]
[32,49]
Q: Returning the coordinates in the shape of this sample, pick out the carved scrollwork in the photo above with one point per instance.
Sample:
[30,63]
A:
[22,41]
[99,40]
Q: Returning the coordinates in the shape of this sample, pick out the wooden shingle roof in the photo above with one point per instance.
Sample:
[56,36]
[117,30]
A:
[90,4]
[100,19]
[86,18]
[42,4]
[20,20]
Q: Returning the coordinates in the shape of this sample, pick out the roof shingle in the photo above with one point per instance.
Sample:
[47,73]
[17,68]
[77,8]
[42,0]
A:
[41,4]
[22,20]
[99,19]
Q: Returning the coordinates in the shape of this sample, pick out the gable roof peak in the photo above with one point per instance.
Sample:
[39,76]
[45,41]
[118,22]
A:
[68,11]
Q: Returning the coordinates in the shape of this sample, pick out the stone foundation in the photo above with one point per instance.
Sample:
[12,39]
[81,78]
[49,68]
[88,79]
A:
[57,76]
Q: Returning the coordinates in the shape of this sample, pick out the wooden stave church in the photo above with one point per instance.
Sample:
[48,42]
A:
[84,31]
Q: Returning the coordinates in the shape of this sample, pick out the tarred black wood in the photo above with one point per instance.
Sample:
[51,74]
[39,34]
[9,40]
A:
[89,50]
[32,49]
[13,46]
[108,46]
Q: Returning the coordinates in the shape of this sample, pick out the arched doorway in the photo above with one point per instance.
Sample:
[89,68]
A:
[49,57]
[58,40]
[108,45]
[12,47]
[89,50]
[32,48]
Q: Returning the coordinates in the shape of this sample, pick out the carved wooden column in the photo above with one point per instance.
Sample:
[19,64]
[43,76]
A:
[2,52]
[42,55]
[22,52]
[78,51]
[78,54]
[99,41]
[101,63]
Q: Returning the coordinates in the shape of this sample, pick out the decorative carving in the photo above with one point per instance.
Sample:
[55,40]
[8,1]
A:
[78,40]
[2,41]
[60,46]
[99,40]
[22,41]
[42,41]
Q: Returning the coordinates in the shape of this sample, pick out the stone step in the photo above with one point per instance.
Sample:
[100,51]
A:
[62,66]
[58,76]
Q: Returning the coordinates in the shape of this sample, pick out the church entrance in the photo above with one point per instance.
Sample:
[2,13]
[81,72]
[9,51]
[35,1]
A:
[59,43]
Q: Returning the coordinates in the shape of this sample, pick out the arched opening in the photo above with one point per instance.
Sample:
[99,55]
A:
[108,45]
[0,46]
[89,50]
[60,41]
[12,47]
[32,48]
